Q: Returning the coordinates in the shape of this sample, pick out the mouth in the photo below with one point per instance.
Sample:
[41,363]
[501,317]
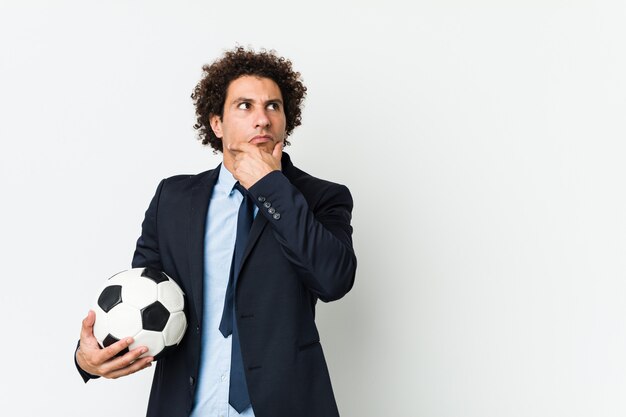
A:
[261,139]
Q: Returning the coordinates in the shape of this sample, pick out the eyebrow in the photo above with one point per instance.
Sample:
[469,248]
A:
[242,99]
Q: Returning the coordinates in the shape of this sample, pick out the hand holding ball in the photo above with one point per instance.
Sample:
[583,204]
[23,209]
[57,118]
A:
[142,303]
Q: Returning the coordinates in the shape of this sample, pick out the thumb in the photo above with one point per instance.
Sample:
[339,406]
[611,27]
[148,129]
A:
[277,153]
[86,332]
[90,320]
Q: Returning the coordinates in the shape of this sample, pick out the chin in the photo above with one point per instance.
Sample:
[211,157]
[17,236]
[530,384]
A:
[267,146]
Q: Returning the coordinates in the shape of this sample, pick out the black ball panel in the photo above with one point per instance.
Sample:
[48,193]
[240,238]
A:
[110,297]
[154,317]
[154,274]
[109,340]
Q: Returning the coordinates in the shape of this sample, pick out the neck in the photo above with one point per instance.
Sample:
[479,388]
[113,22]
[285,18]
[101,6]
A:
[228,161]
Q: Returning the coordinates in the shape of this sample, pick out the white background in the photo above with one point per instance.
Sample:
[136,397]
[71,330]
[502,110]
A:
[483,143]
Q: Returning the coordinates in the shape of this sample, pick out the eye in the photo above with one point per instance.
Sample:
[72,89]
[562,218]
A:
[244,105]
[273,106]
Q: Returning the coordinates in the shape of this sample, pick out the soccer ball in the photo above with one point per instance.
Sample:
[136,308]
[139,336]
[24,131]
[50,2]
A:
[142,303]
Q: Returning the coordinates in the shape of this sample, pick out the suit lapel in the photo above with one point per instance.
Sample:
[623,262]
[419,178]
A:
[257,227]
[200,199]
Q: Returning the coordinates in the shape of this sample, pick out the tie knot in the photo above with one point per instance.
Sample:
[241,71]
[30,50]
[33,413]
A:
[240,188]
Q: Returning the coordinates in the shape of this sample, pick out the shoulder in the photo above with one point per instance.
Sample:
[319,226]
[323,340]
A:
[307,182]
[316,190]
[185,182]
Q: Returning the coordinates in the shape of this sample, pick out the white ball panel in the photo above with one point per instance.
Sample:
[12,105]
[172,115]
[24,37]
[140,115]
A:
[152,340]
[171,296]
[122,277]
[139,292]
[101,326]
[124,321]
[175,328]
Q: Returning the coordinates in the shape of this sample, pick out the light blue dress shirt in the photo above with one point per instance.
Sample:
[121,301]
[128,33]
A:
[219,242]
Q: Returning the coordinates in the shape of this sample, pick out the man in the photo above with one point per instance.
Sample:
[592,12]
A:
[252,347]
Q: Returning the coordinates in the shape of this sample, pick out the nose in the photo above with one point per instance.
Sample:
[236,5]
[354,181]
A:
[261,119]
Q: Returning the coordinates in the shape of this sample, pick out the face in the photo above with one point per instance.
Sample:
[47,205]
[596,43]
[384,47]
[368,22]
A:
[253,113]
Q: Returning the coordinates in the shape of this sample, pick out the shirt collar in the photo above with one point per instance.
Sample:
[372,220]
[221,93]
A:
[225,181]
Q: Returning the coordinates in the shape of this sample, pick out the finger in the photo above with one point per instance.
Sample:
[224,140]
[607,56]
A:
[138,365]
[88,322]
[277,153]
[110,351]
[123,361]
[86,332]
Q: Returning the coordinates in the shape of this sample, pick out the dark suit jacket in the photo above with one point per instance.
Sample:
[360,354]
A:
[296,255]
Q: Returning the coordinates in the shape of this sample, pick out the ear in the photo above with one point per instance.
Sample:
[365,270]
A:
[216,125]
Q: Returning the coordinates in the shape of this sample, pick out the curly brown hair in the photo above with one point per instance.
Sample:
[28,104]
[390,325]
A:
[209,94]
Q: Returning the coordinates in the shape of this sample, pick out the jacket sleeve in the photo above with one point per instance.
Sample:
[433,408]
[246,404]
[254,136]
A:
[318,240]
[147,249]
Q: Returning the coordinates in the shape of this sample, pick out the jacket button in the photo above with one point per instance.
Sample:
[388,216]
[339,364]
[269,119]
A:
[261,198]
[197,329]
[276,216]
[267,204]
[191,380]
[271,210]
